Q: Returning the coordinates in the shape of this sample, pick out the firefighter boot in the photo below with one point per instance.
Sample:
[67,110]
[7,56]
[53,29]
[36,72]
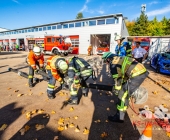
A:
[50,96]
[84,91]
[118,117]
[30,82]
[73,100]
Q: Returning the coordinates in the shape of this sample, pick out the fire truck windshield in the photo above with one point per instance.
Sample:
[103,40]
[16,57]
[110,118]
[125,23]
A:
[144,44]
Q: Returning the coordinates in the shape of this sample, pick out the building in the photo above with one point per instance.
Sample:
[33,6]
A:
[82,32]
[3,29]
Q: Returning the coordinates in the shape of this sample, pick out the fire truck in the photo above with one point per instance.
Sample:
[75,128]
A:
[60,45]
[144,42]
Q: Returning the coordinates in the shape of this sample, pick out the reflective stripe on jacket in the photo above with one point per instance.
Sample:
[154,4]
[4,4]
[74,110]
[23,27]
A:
[32,58]
[122,67]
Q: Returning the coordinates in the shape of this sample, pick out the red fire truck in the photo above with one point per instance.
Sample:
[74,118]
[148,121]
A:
[58,45]
[144,42]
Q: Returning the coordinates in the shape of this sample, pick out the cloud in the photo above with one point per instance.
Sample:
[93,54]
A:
[153,2]
[85,6]
[159,11]
[100,11]
[15,1]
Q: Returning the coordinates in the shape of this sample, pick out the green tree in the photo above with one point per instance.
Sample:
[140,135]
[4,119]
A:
[141,25]
[168,27]
[155,28]
[79,15]
[130,25]
[165,25]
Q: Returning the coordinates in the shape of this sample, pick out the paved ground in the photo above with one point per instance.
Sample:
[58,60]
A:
[92,111]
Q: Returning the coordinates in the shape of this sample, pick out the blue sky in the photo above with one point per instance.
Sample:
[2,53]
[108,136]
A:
[24,13]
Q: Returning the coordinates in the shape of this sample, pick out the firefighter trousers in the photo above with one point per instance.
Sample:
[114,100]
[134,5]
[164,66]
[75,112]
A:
[31,74]
[127,89]
[51,83]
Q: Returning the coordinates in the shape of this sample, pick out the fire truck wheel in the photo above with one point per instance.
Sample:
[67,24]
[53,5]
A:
[55,51]
[65,54]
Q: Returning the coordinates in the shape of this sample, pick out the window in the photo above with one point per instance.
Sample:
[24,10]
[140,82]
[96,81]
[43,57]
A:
[19,31]
[100,22]
[71,25]
[40,29]
[22,31]
[48,39]
[32,30]
[78,24]
[85,23]
[53,27]
[44,28]
[29,30]
[92,23]
[75,42]
[110,21]
[49,28]
[117,20]
[53,40]
[59,27]
[65,26]
[36,29]
[25,31]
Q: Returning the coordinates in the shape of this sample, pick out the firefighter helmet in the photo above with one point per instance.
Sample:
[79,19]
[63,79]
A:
[62,66]
[118,37]
[37,50]
[108,55]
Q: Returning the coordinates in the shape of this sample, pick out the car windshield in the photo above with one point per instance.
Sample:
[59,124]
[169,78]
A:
[103,45]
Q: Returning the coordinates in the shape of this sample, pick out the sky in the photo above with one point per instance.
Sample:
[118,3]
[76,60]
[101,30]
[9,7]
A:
[15,14]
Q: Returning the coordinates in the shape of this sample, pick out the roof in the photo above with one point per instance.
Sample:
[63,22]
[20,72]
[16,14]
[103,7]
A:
[75,20]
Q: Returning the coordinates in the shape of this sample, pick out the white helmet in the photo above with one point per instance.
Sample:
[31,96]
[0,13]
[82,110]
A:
[118,37]
[62,66]
[37,50]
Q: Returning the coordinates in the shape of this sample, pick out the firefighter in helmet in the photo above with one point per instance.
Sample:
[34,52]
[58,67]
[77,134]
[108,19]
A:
[122,48]
[35,58]
[78,72]
[57,69]
[128,75]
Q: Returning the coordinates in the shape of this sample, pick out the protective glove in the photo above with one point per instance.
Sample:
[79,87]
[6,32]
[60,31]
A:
[36,71]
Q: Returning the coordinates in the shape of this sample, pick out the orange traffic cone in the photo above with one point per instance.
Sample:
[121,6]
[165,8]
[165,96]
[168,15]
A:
[147,133]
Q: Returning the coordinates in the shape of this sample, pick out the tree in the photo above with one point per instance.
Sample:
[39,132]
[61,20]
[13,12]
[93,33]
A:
[141,26]
[130,25]
[79,15]
[168,27]
[165,25]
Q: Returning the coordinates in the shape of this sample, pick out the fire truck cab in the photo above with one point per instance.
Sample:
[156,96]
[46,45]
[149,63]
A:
[60,45]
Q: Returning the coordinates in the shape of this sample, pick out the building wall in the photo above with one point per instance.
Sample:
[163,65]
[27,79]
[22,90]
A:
[83,32]
[124,31]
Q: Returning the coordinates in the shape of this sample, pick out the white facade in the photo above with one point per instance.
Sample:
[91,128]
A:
[117,25]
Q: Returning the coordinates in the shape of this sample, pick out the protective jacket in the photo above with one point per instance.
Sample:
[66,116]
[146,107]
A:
[51,65]
[32,60]
[123,68]
[79,65]
[124,49]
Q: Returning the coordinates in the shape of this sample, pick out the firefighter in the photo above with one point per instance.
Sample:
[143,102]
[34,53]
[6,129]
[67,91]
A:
[57,68]
[122,48]
[128,76]
[78,72]
[89,50]
[35,58]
